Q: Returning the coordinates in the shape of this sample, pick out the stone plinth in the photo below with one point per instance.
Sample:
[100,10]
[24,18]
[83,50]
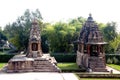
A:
[97,64]
[21,63]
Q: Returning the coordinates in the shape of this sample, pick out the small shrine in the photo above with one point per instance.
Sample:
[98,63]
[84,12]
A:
[91,54]
[34,60]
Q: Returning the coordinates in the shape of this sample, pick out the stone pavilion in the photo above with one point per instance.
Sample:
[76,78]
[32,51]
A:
[34,60]
[91,54]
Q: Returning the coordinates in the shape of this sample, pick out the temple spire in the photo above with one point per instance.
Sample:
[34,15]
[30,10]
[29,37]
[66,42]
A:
[34,21]
[90,17]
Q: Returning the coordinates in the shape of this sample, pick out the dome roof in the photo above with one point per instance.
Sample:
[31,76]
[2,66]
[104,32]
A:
[90,34]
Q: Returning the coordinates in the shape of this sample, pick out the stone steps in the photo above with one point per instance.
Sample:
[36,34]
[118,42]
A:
[100,70]
[97,64]
[45,66]
[44,70]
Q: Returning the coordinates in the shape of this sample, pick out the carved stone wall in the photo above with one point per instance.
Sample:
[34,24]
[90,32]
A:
[90,46]
[34,41]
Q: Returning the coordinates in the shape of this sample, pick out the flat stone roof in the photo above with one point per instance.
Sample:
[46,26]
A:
[94,43]
[21,58]
[24,58]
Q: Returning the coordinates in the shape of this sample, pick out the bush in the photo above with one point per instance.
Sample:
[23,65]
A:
[110,58]
[65,57]
[109,61]
[115,58]
[5,57]
[70,67]
[5,49]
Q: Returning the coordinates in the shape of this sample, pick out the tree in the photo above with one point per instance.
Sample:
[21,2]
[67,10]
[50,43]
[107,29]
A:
[2,36]
[109,31]
[18,31]
[60,37]
[111,36]
[115,44]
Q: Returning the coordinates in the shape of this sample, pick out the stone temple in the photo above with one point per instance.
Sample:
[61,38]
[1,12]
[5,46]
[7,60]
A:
[34,60]
[90,54]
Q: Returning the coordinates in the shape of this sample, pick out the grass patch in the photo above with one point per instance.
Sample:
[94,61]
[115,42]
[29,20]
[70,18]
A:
[99,79]
[2,65]
[2,52]
[117,67]
[68,66]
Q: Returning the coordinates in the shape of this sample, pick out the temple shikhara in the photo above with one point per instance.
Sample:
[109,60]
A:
[90,54]
[34,60]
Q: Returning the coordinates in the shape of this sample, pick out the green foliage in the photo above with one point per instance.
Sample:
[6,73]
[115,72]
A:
[2,65]
[64,66]
[57,37]
[60,57]
[113,58]
[69,67]
[60,36]
[64,57]
[109,61]
[3,38]
[111,36]
[109,31]
[115,44]
[5,57]
[45,47]
[18,32]
[117,67]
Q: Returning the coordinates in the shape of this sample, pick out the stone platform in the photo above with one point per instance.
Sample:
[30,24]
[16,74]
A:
[97,64]
[92,63]
[21,63]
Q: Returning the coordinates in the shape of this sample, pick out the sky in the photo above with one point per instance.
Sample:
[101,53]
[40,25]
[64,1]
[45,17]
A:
[102,11]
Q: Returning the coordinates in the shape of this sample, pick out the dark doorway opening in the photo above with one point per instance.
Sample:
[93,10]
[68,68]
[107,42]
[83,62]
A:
[34,46]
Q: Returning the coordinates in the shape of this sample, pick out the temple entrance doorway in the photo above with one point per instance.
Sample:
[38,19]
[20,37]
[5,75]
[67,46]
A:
[93,51]
[34,46]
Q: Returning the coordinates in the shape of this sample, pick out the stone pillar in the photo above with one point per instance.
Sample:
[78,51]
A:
[10,66]
[82,48]
[88,49]
[40,49]
[98,49]
[78,47]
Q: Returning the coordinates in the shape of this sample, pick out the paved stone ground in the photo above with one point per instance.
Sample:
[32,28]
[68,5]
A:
[38,76]
[113,70]
[46,75]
